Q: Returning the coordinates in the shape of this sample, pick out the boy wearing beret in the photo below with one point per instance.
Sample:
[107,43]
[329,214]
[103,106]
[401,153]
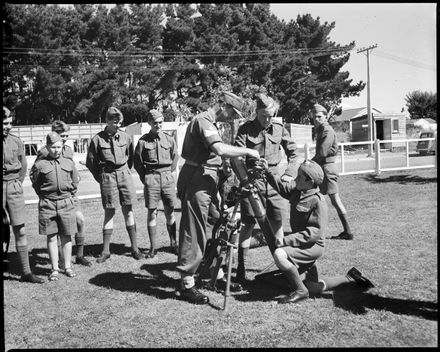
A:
[325,155]
[55,180]
[155,160]
[14,172]
[109,159]
[63,129]
[298,251]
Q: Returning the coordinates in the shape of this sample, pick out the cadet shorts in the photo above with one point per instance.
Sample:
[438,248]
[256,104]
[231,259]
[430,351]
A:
[159,186]
[275,204]
[303,257]
[117,187]
[76,203]
[13,202]
[57,216]
[330,183]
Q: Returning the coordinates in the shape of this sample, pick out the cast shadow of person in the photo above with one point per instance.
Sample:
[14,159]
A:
[350,298]
[402,179]
[40,263]
[358,301]
[156,283]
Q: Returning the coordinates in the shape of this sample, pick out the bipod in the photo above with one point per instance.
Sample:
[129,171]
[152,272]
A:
[224,235]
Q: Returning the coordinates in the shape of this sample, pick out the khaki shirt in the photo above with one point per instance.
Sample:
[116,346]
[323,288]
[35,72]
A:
[109,152]
[54,179]
[308,214]
[200,135]
[14,158]
[268,142]
[155,152]
[326,144]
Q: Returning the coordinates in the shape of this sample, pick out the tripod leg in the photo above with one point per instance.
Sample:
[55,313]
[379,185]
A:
[228,280]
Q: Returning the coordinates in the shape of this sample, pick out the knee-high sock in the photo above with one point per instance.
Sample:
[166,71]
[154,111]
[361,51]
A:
[107,235]
[344,222]
[23,255]
[312,274]
[294,279]
[132,234]
[152,232]
[79,241]
[172,232]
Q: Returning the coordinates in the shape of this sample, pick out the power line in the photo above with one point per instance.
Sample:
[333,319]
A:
[405,60]
[196,54]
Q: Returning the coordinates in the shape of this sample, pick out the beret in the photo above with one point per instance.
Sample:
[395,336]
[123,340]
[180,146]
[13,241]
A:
[52,137]
[113,112]
[313,170]
[154,115]
[234,100]
[319,108]
[6,112]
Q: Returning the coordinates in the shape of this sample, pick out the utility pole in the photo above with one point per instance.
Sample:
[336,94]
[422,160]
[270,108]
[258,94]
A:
[370,117]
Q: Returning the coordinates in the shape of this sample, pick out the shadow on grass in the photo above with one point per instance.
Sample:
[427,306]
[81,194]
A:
[156,284]
[402,179]
[357,301]
[350,298]
[129,282]
[38,258]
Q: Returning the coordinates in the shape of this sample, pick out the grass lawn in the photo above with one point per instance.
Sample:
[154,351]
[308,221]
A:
[124,303]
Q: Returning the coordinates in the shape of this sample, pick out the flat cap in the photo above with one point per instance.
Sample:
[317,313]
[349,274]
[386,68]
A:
[313,170]
[52,137]
[153,115]
[319,108]
[113,112]
[234,100]
[6,112]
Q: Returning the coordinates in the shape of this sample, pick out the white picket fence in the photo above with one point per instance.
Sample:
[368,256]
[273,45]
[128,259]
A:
[377,155]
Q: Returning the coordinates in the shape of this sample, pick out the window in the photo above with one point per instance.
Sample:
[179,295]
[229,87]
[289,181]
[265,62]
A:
[395,126]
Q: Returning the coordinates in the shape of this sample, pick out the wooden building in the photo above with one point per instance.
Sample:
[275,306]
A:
[385,127]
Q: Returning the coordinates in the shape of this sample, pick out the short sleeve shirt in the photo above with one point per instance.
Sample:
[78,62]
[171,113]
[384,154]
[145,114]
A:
[14,159]
[200,135]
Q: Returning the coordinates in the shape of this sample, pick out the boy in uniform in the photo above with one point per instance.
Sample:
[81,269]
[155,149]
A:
[325,155]
[63,129]
[267,136]
[155,160]
[298,251]
[109,159]
[55,180]
[14,172]
[202,150]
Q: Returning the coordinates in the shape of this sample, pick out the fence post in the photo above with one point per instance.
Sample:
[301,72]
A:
[407,153]
[306,151]
[342,158]
[377,156]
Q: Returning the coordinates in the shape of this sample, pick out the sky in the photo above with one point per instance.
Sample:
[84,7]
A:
[405,58]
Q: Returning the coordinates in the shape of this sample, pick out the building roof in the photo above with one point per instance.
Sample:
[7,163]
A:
[381,116]
[349,114]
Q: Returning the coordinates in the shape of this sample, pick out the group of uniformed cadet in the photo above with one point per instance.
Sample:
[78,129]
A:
[111,155]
